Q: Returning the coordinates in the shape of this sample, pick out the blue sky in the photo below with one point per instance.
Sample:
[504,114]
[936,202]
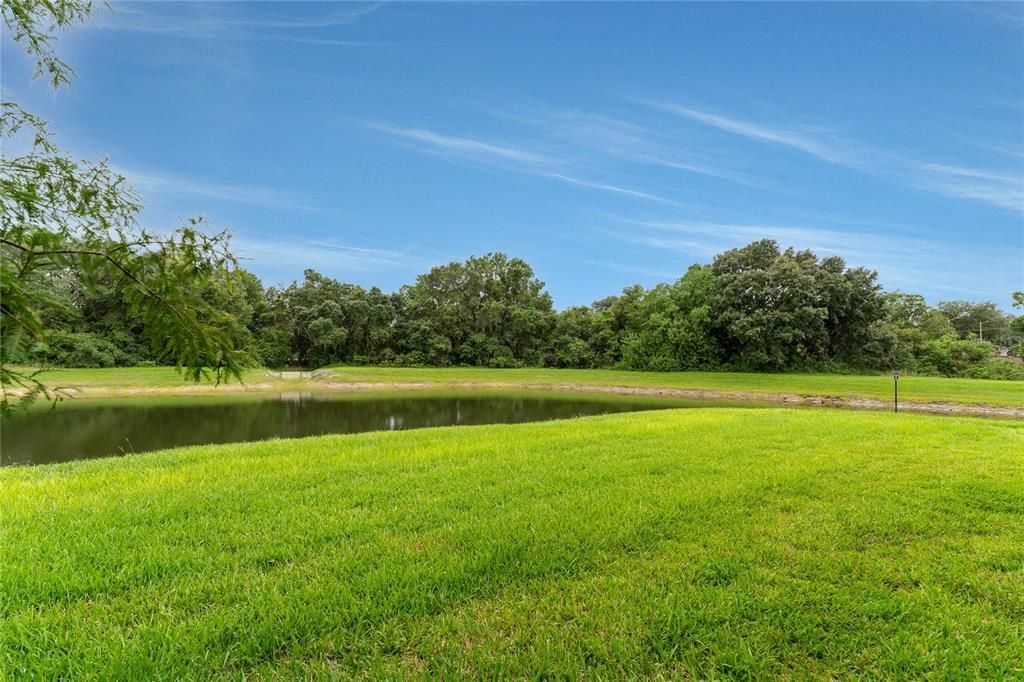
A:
[604,143]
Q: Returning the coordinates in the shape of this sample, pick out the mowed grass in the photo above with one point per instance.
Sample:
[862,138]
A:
[686,543]
[912,388]
[130,377]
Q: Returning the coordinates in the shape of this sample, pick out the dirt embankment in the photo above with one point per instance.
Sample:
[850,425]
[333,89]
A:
[324,381]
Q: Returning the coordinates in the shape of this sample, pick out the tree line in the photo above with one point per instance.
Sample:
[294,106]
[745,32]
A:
[755,308]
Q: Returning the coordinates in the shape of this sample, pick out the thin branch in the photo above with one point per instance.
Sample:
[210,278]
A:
[97,254]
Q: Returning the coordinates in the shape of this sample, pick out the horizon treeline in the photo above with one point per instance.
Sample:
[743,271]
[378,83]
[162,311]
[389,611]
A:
[755,308]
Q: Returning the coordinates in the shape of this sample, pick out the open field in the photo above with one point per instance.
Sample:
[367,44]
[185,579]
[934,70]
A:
[700,543]
[134,377]
[726,385]
[912,388]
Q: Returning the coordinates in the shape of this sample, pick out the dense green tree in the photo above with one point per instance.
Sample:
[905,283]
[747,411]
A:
[673,329]
[616,317]
[238,294]
[323,321]
[777,310]
[856,306]
[909,311]
[910,323]
[984,319]
[271,328]
[766,308]
[570,346]
[89,325]
[1017,324]
[953,356]
[489,311]
[946,341]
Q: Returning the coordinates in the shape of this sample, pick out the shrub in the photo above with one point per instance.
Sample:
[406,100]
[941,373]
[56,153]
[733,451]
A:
[272,348]
[951,356]
[996,368]
[82,349]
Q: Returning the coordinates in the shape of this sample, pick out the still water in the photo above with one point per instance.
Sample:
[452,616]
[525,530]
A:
[80,429]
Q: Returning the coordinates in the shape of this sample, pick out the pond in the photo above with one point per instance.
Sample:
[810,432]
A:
[81,429]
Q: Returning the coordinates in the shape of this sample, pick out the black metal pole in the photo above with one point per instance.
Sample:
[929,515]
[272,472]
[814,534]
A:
[895,391]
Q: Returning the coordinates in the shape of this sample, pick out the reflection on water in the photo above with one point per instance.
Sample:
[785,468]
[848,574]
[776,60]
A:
[83,429]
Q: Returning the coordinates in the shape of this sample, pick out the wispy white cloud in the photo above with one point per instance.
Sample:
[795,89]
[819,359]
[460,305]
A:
[156,184]
[633,269]
[620,140]
[901,260]
[502,155]
[337,17]
[206,20]
[816,142]
[997,188]
[316,42]
[466,147]
[321,255]
[614,189]
[1007,14]
[1005,190]
[1014,150]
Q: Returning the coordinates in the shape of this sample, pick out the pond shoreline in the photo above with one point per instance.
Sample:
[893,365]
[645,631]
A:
[323,382]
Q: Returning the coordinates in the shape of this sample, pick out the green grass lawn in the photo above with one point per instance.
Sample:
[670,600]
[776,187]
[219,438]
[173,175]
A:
[912,388]
[128,377]
[688,543]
